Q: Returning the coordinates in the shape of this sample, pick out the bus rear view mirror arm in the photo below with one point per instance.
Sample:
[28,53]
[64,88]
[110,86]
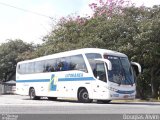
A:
[109,64]
[137,65]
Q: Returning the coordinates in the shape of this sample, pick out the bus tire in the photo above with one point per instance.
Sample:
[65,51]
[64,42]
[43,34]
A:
[52,98]
[32,94]
[83,96]
[104,101]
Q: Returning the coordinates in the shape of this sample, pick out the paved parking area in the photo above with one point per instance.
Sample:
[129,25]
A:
[22,104]
[24,100]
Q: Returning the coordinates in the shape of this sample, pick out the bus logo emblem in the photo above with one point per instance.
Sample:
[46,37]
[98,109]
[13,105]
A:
[53,83]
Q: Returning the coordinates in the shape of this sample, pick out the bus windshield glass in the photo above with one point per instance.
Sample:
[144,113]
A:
[121,72]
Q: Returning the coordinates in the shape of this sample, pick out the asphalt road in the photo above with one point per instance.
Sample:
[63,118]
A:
[15,104]
[22,104]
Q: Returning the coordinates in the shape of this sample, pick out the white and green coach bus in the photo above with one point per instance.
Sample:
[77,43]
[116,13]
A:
[86,74]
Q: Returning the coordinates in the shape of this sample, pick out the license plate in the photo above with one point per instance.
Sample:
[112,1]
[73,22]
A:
[125,96]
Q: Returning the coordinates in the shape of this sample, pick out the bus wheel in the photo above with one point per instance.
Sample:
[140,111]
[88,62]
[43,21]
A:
[32,94]
[83,96]
[104,101]
[52,98]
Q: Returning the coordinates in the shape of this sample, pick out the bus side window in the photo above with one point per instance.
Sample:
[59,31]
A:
[78,63]
[100,72]
[59,66]
[30,68]
[63,64]
[39,66]
[50,65]
[23,68]
[26,68]
[91,57]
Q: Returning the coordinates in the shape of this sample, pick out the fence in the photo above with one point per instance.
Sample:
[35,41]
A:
[7,89]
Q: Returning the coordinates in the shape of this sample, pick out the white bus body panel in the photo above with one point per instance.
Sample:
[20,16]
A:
[65,85]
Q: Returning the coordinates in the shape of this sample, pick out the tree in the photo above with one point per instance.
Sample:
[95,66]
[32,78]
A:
[12,52]
[131,30]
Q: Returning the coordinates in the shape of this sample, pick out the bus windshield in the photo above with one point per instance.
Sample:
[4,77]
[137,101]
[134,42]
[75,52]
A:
[121,72]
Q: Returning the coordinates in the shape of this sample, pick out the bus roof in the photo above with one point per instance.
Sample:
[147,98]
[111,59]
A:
[78,51]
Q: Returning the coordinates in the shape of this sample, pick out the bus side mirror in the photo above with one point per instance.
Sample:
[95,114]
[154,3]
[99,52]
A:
[109,64]
[137,67]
